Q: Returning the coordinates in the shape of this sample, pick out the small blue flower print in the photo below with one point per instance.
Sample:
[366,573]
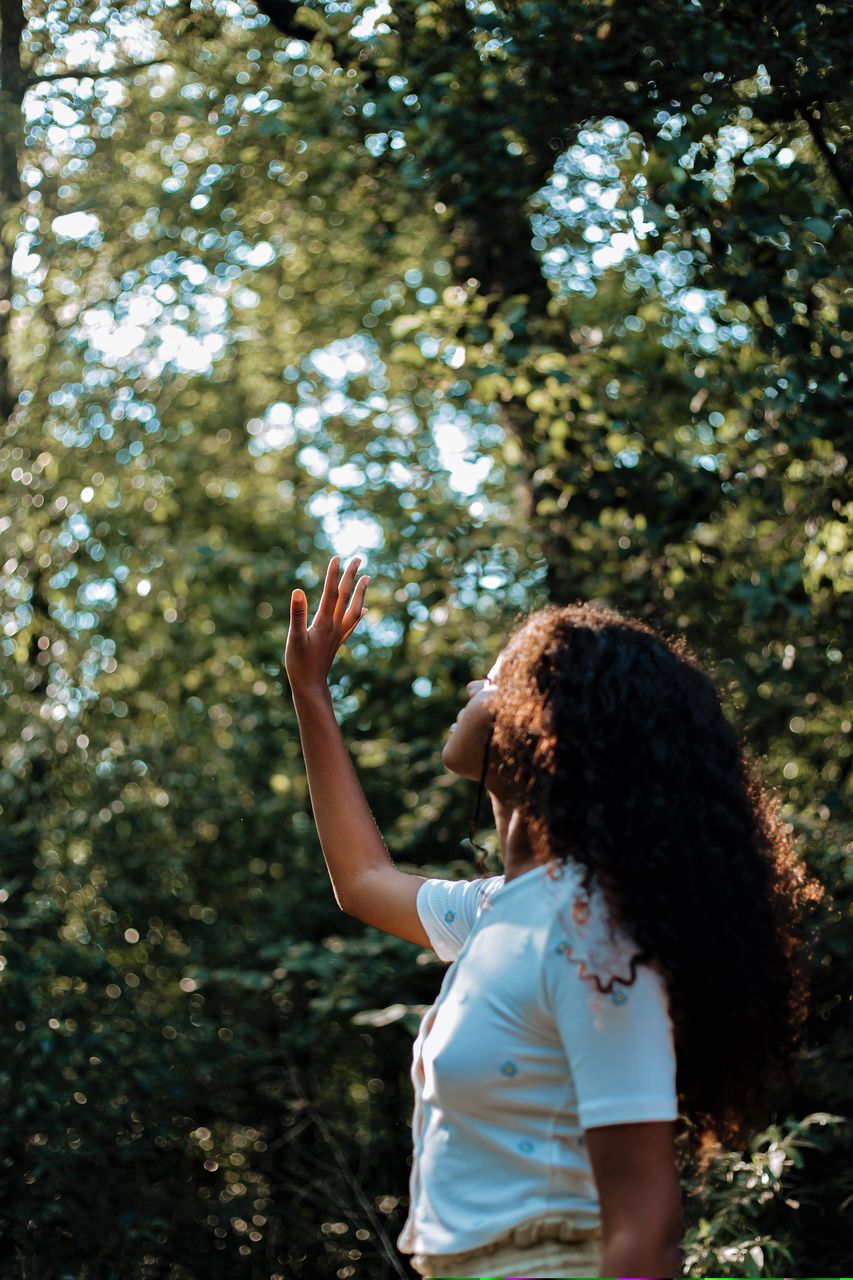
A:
[509,1068]
[525,1146]
[619,997]
[561,947]
[450,916]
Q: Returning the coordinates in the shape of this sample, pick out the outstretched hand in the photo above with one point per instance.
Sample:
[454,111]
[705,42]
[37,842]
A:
[310,651]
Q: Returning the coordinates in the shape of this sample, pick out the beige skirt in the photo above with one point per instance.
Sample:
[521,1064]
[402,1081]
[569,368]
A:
[547,1246]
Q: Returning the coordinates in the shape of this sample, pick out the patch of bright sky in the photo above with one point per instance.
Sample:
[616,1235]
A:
[117,342]
[117,337]
[110,94]
[127,39]
[349,533]
[369,20]
[580,199]
[457,451]
[75,226]
[257,255]
[228,8]
[588,173]
[25,263]
[85,49]
[282,426]
[123,37]
[142,326]
[95,592]
[338,362]
[134,328]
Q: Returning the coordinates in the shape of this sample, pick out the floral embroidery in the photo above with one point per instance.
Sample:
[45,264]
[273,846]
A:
[580,910]
[598,947]
[450,916]
[509,1068]
[525,1146]
[618,997]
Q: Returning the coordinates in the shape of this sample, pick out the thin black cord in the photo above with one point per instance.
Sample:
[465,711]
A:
[475,821]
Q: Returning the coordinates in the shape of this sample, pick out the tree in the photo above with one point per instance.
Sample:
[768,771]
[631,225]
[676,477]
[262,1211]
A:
[299,252]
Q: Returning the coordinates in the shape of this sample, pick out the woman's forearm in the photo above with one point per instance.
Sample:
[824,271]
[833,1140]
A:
[351,841]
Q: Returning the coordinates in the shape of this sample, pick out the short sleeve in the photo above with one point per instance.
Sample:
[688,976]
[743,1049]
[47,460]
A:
[619,1045]
[448,910]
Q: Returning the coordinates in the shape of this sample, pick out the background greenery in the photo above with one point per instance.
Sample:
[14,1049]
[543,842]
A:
[602,251]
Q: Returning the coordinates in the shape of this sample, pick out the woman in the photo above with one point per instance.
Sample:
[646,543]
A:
[638,967]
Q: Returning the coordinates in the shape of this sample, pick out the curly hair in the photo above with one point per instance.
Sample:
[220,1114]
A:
[612,742]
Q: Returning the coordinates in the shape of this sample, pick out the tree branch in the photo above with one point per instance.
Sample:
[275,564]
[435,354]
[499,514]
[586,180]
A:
[814,120]
[92,73]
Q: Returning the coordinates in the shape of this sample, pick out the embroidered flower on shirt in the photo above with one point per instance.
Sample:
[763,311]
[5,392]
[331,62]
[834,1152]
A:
[580,910]
[600,950]
[450,916]
[618,997]
[525,1146]
[509,1068]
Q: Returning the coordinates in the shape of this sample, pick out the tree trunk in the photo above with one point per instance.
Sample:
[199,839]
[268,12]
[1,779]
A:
[12,89]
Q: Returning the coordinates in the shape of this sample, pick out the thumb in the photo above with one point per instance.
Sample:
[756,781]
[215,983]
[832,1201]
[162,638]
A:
[298,609]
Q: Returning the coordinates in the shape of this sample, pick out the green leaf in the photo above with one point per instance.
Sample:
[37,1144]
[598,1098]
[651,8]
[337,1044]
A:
[312,18]
[818,227]
[401,325]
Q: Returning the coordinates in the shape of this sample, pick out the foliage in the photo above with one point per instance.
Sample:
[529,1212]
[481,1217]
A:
[599,249]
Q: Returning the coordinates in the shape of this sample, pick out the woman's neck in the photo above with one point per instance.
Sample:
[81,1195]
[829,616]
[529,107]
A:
[516,852]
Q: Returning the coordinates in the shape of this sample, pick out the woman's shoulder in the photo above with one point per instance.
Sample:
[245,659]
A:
[581,930]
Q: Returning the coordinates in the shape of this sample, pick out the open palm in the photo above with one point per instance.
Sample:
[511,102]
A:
[310,651]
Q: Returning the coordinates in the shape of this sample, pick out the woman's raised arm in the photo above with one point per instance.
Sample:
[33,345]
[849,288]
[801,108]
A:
[366,884]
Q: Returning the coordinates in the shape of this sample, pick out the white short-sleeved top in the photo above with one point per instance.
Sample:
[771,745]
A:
[520,1053]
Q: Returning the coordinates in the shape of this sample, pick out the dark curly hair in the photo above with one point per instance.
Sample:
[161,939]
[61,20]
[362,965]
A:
[613,745]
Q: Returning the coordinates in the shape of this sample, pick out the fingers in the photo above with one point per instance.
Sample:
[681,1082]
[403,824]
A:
[357,601]
[329,598]
[347,634]
[342,606]
[334,601]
